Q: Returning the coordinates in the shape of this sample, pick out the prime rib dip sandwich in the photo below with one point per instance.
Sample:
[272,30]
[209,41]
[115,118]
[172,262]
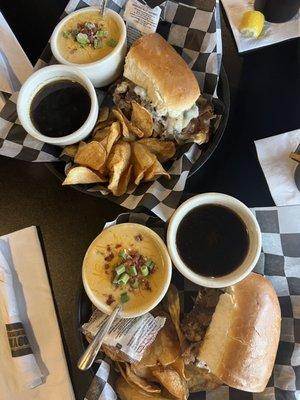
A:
[233,336]
[157,78]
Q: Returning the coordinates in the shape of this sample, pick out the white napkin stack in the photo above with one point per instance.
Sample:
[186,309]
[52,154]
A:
[273,154]
[273,33]
[24,361]
[15,67]
[25,296]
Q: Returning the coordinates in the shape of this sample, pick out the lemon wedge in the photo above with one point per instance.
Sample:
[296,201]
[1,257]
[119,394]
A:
[252,24]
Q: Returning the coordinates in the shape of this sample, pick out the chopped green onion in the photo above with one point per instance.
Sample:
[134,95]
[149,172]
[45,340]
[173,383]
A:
[120,269]
[123,254]
[101,34]
[132,271]
[89,25]
[82,39]
[135,284]
[66,34]
[144,270]
[112,42]
[116,278]
[124,278]
[97,43]
[149,264]
[124,297]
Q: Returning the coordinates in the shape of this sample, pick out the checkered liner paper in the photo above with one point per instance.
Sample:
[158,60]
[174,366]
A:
[194,31]
[280,263]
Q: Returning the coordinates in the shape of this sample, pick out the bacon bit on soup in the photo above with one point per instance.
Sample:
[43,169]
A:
[108,248]
[138,237]
[90,33]
[109,257]
[146,285]
[118,246]
[106,266]
[110,299]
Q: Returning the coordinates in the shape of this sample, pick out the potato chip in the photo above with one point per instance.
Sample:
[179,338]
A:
[104,124]
[81,175]
[173,305]
[103,173]
[155,171]
[165,349]
[92,155]
[163,149]
[179,367]
[142,371]
[200,379]
[128,391]
[128,129]
[142,119]
[112,137]
[81,144]
[172,381]
[103,114]
[135,130]
[124,123]
[140,382]
[121,367]
[124,181]
[142,160]
[100,134]
[117,164]
[114,353]
[70,150]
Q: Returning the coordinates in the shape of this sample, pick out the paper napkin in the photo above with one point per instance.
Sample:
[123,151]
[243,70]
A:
[24,362]
[273,155]
[35,307]
[273,33]
[15,67]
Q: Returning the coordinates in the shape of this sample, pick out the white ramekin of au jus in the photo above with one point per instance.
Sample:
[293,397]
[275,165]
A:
[43,77]
[254,235]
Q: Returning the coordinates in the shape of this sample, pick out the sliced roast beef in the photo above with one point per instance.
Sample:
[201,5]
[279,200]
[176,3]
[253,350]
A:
[195,323]
[183,128]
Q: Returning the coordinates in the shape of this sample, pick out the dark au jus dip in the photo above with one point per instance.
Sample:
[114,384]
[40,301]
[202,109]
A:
[212,240]
[60,108]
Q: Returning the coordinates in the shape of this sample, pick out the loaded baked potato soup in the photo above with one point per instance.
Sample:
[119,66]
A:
[88,37]
[126,264]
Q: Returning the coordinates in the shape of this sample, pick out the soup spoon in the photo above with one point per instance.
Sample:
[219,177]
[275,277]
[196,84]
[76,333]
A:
[102,7]
[88,357]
